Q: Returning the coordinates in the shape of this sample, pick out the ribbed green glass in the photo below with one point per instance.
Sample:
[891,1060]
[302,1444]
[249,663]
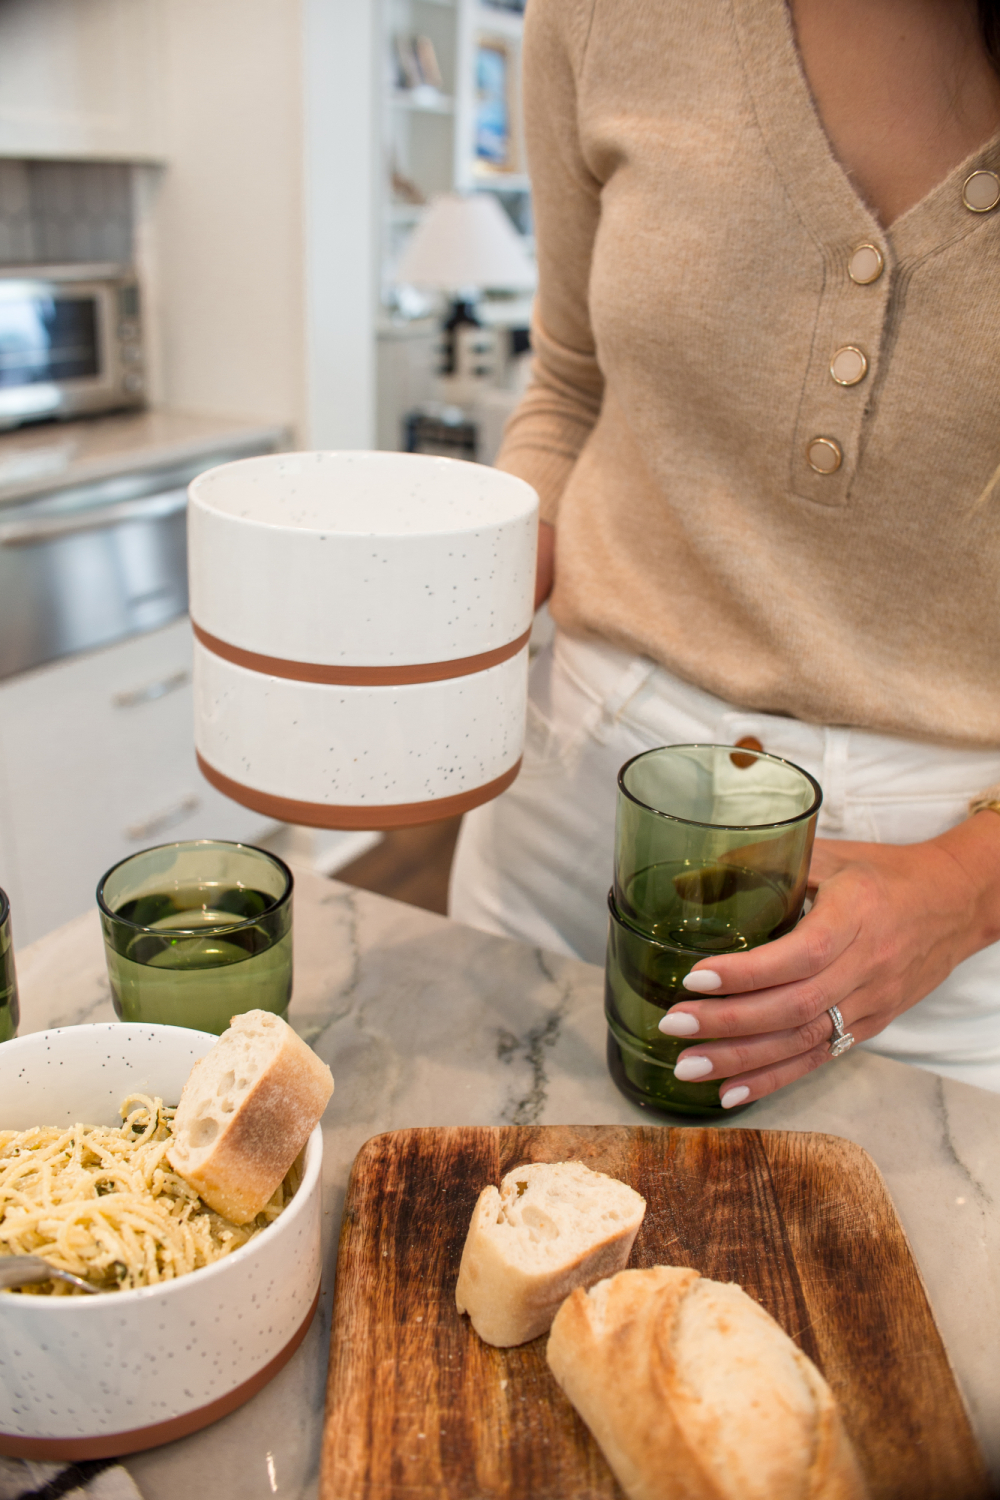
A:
[712,849]
[196,933]
[9,1012]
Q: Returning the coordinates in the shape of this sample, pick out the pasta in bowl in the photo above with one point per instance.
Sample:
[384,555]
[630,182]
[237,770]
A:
[217,1308]
[103,1203]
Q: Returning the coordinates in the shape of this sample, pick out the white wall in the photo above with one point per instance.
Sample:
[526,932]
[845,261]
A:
[342,166]
[226,241]
[261,250]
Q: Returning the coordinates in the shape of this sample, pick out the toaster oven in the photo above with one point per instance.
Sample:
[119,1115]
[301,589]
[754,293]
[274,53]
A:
[70,342]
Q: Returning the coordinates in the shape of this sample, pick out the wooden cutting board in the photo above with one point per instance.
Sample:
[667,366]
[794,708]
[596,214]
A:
[418,1408]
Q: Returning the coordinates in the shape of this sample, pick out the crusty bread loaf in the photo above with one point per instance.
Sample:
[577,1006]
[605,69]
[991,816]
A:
[246,1111]
[694,1393]
[550,1228]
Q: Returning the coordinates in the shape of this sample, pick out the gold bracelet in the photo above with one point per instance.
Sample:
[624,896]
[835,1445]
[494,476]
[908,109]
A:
[984,804]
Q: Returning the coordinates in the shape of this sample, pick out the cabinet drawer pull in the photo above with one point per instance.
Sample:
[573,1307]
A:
[161,821]
[152,690]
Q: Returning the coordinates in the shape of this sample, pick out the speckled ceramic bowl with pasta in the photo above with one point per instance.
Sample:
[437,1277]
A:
[86,1377]
[361,631]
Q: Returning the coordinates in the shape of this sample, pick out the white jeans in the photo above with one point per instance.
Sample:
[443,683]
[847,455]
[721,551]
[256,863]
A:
[536,863]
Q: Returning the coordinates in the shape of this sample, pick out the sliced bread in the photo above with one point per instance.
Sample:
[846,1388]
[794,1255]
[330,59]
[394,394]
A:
[246,1111]
[694,1392]
[550,1227]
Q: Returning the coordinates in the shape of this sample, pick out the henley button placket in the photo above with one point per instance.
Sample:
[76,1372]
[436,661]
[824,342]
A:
[830,417]
[853,269]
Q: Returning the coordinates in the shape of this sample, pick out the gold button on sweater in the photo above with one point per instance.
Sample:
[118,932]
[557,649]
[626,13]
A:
[699,270]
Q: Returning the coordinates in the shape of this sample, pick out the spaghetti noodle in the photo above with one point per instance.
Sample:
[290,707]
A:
[103,1203]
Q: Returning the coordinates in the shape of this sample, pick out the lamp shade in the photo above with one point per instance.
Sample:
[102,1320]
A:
[465,242]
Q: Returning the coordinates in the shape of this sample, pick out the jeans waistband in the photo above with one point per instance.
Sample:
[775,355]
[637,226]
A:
[634,689]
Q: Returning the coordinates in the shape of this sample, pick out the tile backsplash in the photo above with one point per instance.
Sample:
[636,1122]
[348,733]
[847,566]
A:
[60,212]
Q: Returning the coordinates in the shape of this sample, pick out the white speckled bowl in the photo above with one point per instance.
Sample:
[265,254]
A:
[91,1377]
[362,623]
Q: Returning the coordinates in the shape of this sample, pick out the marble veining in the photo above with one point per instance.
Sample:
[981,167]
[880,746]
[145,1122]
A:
[528,1108]
[941,1104]
[425,1022]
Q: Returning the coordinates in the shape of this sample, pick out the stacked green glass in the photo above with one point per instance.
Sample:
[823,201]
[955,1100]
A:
[712,849]
[9,1012]
[196,933]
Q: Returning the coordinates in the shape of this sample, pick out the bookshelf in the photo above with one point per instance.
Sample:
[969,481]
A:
[432,140]
[437,132]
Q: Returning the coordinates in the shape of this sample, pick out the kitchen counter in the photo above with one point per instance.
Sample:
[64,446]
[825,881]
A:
[57,455]
[425,1022]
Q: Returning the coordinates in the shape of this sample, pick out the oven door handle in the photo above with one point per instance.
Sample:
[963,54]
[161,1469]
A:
[50,529]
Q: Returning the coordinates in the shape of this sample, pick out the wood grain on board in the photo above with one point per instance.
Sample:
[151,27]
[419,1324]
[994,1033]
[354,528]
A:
[418,1408]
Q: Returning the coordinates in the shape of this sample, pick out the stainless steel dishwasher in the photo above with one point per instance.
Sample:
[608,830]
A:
[95,563]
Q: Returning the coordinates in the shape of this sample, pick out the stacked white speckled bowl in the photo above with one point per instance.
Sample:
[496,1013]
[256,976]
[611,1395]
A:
[361,624]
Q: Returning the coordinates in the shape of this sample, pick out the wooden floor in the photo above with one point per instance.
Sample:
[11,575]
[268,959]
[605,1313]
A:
[410,864]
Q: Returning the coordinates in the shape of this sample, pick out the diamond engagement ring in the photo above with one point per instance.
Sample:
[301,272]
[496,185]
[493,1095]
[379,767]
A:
[841,1039]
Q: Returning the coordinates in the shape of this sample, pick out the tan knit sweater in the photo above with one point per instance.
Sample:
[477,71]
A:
[694,235]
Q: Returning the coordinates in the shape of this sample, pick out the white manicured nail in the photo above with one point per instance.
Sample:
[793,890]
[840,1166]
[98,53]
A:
[679,1023]
[702,980]
[733,1096]
[690,1068]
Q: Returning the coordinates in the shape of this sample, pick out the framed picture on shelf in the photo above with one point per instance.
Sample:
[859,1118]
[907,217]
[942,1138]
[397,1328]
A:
[495,145]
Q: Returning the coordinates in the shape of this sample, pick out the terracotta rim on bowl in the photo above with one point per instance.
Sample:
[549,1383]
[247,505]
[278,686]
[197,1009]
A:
[356,815]
[117,1444]
[403,675]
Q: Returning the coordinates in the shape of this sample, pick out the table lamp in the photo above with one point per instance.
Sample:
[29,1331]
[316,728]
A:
[462,245]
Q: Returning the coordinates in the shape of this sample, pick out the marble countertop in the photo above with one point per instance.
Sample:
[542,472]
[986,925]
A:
[53,455]
[425,1022]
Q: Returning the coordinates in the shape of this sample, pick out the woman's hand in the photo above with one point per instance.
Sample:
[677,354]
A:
[889,923]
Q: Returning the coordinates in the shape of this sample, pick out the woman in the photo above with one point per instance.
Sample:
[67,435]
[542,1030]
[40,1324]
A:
[764,429]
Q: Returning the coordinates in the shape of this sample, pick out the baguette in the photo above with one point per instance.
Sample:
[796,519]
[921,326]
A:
[245,1113]
[550,1228]
[693,1392]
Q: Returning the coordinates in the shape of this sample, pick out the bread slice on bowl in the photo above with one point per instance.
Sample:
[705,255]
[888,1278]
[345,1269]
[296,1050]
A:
[549,1228]
[694,1392]
[245,1113]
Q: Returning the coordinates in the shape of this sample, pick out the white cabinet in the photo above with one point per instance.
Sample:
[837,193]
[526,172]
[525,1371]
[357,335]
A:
[80,78]
[97,761]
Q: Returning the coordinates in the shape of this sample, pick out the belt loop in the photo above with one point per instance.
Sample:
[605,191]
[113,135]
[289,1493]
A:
[632,680]
[836,751]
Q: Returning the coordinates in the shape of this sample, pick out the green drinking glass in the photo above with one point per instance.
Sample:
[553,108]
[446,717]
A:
[9,1012]
[196,933]
[712,849]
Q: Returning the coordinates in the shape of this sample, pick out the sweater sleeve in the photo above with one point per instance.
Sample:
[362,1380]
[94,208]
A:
[545,434]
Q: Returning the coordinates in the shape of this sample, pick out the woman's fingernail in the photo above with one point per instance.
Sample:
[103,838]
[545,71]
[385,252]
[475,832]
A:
[732,1096]
[690,1068]
[679,1023]
[702,980]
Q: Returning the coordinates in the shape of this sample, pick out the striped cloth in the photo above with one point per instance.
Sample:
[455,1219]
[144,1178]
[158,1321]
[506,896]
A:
[100,1479]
